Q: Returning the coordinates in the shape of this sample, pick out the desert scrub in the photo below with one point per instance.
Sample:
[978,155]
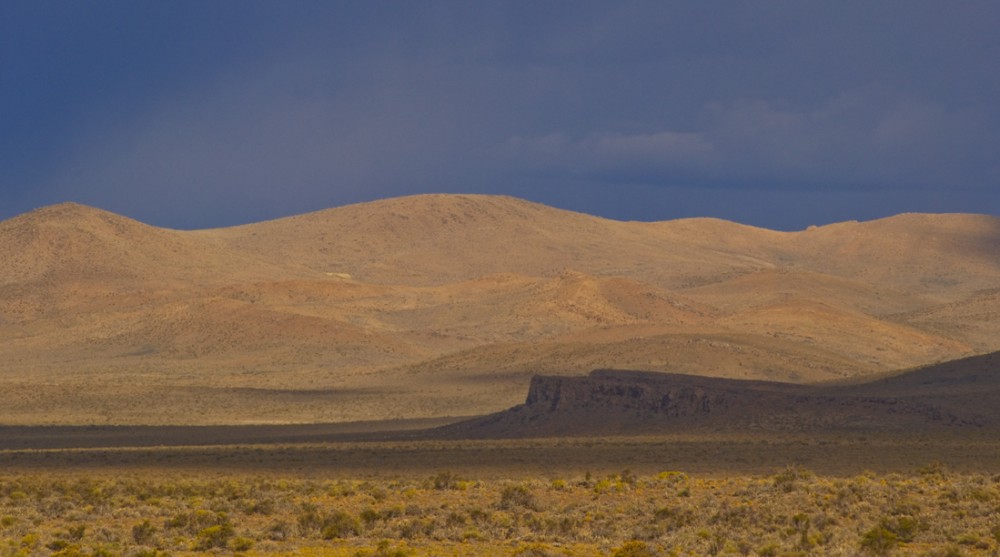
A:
[789,512]
[517,497]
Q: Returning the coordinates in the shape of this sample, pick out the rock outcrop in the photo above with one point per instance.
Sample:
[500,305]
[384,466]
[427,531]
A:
[609,402]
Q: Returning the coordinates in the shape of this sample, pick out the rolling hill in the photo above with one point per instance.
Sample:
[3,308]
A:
[447,305]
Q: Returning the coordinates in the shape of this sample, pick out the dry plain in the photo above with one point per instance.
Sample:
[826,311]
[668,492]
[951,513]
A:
[741,494]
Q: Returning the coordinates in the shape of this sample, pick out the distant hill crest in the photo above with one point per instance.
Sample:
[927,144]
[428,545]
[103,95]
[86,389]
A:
[394,306]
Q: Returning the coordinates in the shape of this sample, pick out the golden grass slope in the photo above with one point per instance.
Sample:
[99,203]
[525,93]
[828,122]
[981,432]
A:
[445,304]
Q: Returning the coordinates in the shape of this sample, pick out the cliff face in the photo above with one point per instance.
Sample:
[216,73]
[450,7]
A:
[627,402]
[636,392]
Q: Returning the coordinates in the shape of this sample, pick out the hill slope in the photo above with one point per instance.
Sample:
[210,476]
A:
[447,304]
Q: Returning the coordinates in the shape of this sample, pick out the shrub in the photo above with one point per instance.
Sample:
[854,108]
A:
[671,476]
[213,536]
[143,532]
[674,517]
[29,541]
[972,539]
[340,524]
[904,527]
[788,479]
[416,527]
[263,507]
[627,477]
[769,550]
[515,497]
[444,480]
[309,519]
[278,530]
[57,545]
[241,544]
[370,516]
[455,520]
[879,541]
[198,520]
[634,548]
[76,532]
[67,551]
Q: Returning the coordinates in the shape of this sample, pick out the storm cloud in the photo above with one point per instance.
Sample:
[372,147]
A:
[779,114]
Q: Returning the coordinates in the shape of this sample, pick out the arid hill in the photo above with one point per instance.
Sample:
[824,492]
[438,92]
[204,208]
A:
[447,305]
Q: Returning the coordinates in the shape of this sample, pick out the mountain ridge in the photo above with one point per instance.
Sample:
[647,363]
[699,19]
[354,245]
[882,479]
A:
[446,304]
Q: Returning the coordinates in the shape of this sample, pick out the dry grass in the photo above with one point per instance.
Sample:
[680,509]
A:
[627,497]
[792,511]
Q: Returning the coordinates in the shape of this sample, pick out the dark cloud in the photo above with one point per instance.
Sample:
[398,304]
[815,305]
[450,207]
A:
[856,140]
[198,114]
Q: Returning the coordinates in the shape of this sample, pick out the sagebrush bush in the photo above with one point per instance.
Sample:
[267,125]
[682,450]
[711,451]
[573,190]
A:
[879,541]
[143,533]
[517,497]
[339,524]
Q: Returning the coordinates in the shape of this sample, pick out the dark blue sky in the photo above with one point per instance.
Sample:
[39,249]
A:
[194,114]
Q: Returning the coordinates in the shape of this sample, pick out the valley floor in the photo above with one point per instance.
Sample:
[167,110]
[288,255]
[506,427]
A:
[931,511]
[403,454]
[762,494]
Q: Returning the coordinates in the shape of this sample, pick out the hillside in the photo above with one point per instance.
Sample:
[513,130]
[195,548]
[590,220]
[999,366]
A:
[439,305]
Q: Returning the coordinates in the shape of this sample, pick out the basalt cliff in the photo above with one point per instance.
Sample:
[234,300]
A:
[960,395]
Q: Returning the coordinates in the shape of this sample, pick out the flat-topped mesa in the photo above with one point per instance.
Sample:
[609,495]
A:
[609,402]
